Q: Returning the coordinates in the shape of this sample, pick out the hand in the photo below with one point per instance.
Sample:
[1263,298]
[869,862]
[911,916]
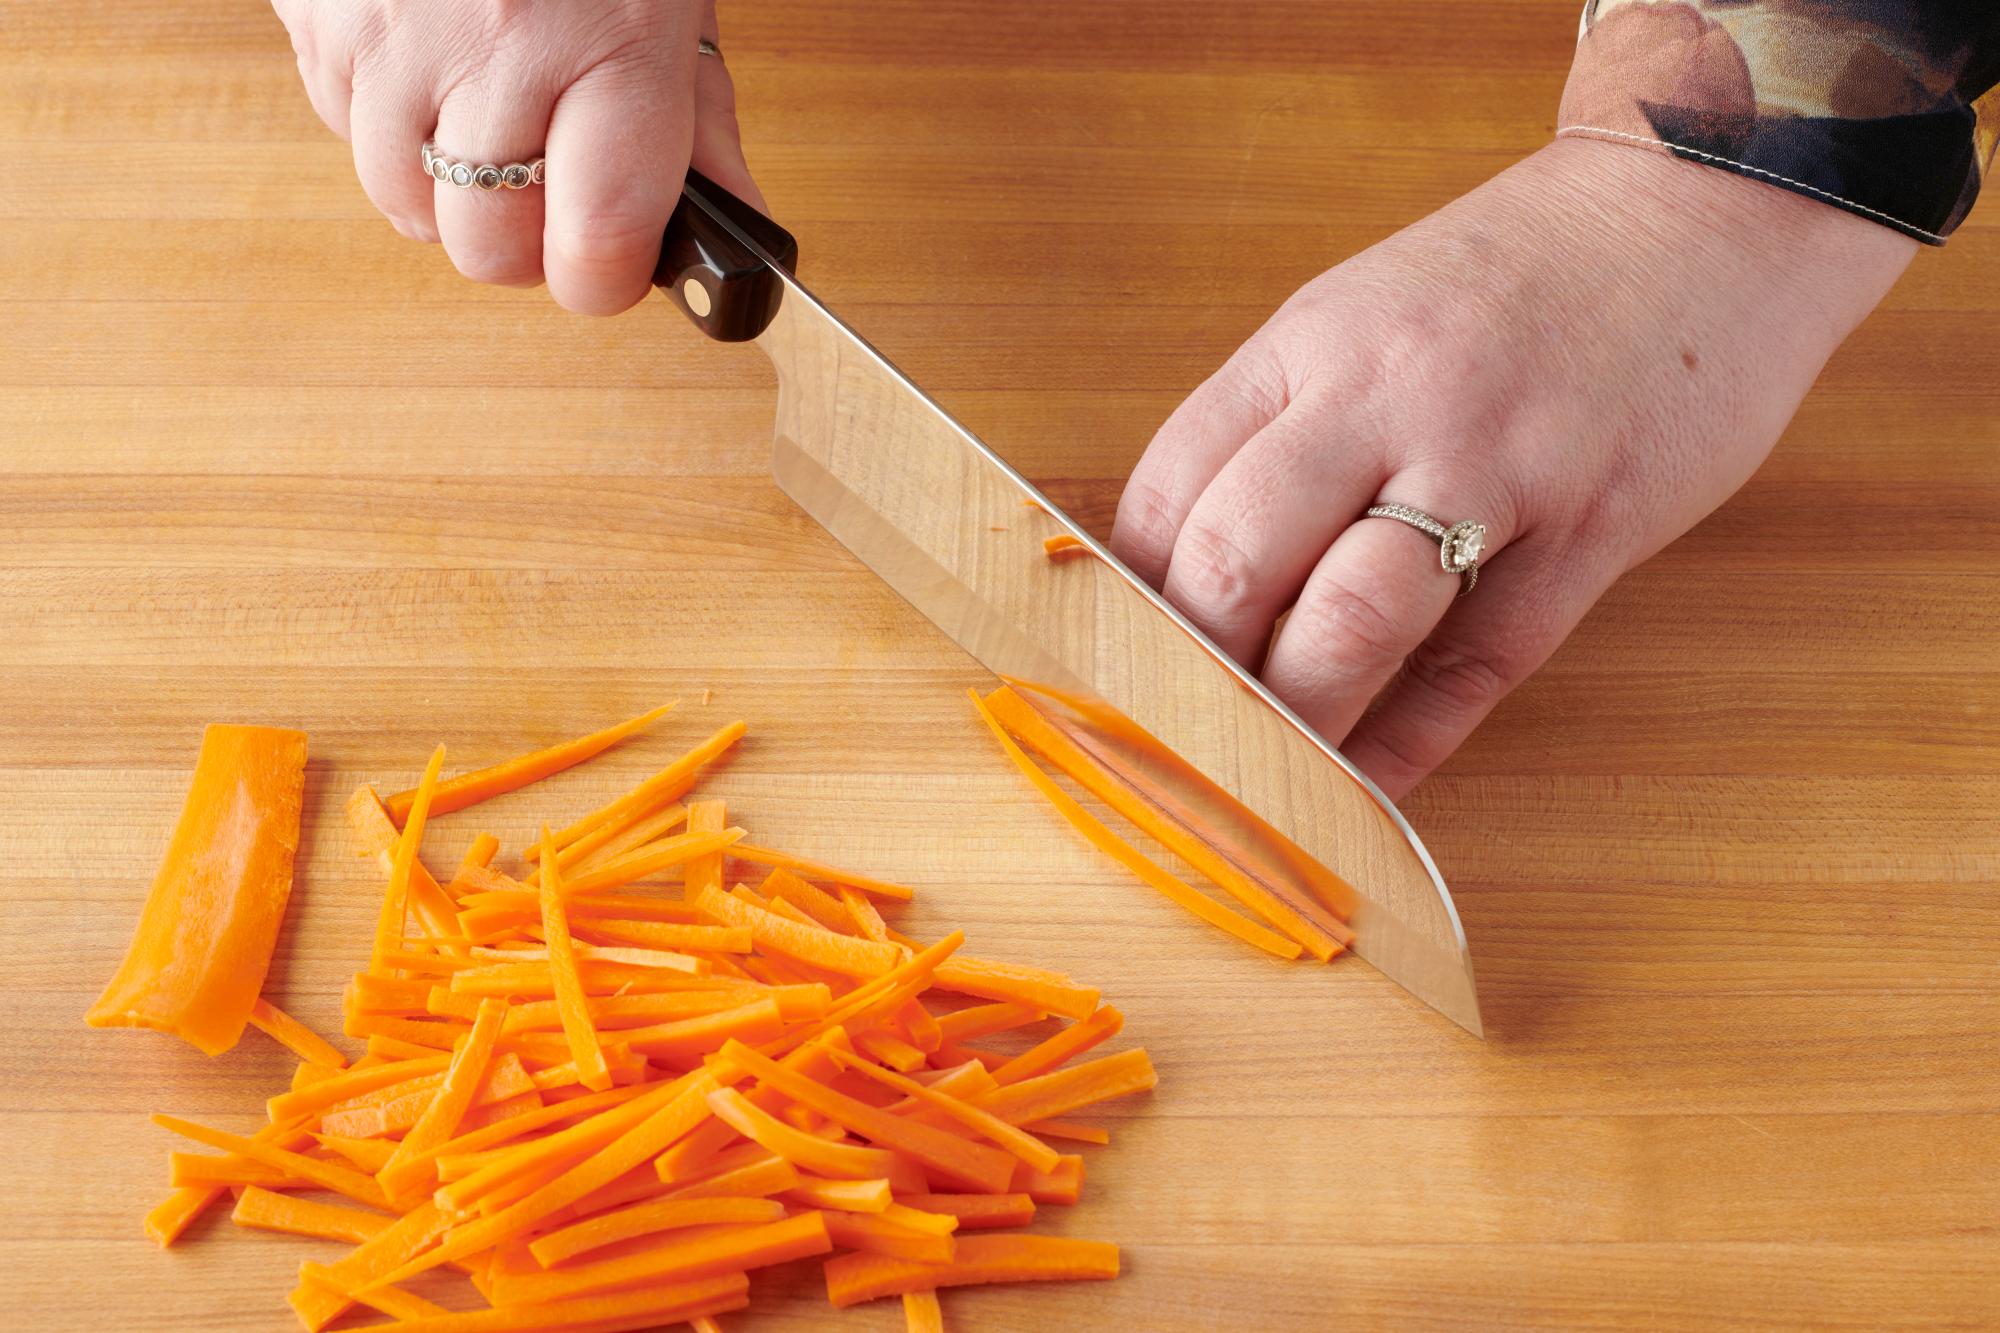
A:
[610,91]
[1588,353]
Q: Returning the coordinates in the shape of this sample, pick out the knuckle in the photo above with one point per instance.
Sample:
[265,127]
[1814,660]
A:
[1147,520]
[1212,575]
[496,267]
[1347,632]
[1460,679]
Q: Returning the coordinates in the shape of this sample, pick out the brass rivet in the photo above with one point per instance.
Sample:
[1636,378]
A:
[696,297]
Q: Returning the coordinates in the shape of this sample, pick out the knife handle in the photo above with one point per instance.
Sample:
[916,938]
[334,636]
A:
[720,283]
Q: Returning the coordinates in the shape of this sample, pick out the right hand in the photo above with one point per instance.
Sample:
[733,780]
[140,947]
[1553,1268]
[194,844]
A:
[612,92]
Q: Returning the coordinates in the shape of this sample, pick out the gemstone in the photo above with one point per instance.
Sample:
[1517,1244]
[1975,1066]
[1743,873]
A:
[1470,544]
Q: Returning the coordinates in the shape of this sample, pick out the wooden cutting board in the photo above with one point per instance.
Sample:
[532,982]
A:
[1728,865]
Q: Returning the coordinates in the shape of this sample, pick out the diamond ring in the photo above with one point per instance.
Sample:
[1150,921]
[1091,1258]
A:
[1459,545]
[481,175]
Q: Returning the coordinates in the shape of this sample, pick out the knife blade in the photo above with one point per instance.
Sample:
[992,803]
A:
[948,524]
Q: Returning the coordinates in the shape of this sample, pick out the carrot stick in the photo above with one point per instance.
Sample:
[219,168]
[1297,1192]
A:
[1065,1090]
[319,1302]
[568,985]
[890,1049]
[847,1196]
[1070,1129]
[642,799]
[867,920]
[863,1231]
[1072,1041]
[651,860]
[755,1177]
[389,926]
[764,856]
[469,789]
[294,1036]
[609,842]
[669,935]
[379,837]
[977,1166]
[732,1251]
[844,1161]
[391,1301]
[705,871]
[569,1146]
[983,1020]
[1101,837]
[978,1211]
[1322,938]
[1030,987]
[854,1278]
[921,1312]
[691,1038]
[339,1179]
[921,1026]
[648,1307]
[368,1155]
[305,1217]
[808,944]
[449,1104]
[646,1219]
[1014,1140]
[814,901]
[199,1170]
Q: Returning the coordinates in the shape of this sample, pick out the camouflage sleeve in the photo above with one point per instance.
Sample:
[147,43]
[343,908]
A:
[1883,107]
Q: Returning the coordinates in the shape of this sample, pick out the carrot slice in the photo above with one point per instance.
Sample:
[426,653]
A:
[1012,1139]
[863,1231]
[1030,987]
[305,1217]
[1322,938]
[1072,1041]
[211,919]
[921,1312]
[389,925]
[841,1160]
[978,1211]
[764,856]
[975,1165]
[854,1278]
[294,1036]
[644,798]
[1098,835]
[469,789]
[1058,1093]
[646,1219]
[568,985]
[732,1251]
[808,944]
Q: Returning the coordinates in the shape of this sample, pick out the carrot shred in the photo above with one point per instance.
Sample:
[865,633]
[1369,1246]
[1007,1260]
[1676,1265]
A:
[648,1219]
[379,836]
[729,1251]
[764,856]
[469,789]
[705,871]
[262,1209]
[983,1020]
[391,1301]
[1030,987]
[563,976]
[448,1105]
[1072,1041]
[922,1313]
[854,1278]
[1011,1138]
[978,1211]
[840,1160]
[870,1232]
[640,801]
[339,1179]
[295,1036]
[808,944]
[825,909]
[612,841]
[1054,1094]
[390,925]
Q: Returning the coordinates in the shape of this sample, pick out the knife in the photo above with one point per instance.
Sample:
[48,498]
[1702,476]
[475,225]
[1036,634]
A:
[958,533]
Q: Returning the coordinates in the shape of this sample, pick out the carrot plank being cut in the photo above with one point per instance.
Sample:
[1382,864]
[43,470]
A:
[469,789]
[211,920]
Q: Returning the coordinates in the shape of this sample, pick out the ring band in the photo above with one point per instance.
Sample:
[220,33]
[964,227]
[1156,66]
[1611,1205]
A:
[704,47]
[481,175]
[1459,545]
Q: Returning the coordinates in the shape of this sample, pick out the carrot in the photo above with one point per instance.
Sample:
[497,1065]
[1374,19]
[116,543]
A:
[356,1082]
[668,935]
[568,985]
[847,1196]
[1030,987]
[825,909]
[983,1020]
[1065,1090]
[920,1026]
[1012,1139]
[1072,1041]
[186,1169]
[391,1301]
[645,862]
[921,1312]
[862,1231]
[867,920]
[440,1120]
[1323,937]
[649,1307]
[379,837]
[647,1219]
[318,1302]
[469,789]
[764,856]
[854,1278]
[705,871]
[978,1211]
[1101,837]
[305,1217]
[369,1155]
[1069,1129]
[1063,1185]
[389,925]
[975,1165]
[339,1179]
[211,919]
[613,841]
[294,1036]
[732,1251]
[755,1177]
[808,944]
[645,798]
[690,1038]
[841,1160]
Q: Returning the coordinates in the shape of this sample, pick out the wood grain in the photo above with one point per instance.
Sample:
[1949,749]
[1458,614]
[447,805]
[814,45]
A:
[1728,864]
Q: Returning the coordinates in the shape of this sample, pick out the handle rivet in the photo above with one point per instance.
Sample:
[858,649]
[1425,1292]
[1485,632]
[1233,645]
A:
[696,297]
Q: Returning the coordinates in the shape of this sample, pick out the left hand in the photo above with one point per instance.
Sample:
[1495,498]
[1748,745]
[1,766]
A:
[1587,354]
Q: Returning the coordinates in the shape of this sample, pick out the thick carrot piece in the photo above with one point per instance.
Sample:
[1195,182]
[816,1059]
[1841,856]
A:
[1030,987]
[305,1217]
[799,865]
[854,1278]
[1010,1138]
[327,1175]
[469,789]
[1072,1041]
[704,871]
[389,925]
[646,1219]
[211,919]
[844,954]
[1058,1093]
[1124,853]
[977,1166]
[583,1045]
[845,1161]
[863,1231]
[977,1211]
[379,836]
[922,1313]
[295,1036]
[1322,939]
[732,1251]
[653,792]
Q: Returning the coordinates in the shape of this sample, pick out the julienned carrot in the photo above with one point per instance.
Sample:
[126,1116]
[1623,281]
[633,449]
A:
[391,1301]
[305,1217]
[368,1155]
[922,1313]
[1065,1090]
[211,919]
[847,1196]
[649,1307]
[867,920]
[440,1120]
[389,924]
[864,1231]
[890,1049]
[764,856]
[1080,1036]
[978,1211]
[469,789]
[983,1020]
[1031,987]
[327,1175]
[321,1301]
[200,1170]
[704,871]
[754,1177]
[1322,938]
[689,1039]
[827,910]
[644,798]
[975,1165]
[294,1036]
[563,977]
[854,1278]
[732,1251]
[843,1161]
[669,935]
[1101,837]
[611,842]
[379,837]
[647,1219]
[843,954]
[1014,1140]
